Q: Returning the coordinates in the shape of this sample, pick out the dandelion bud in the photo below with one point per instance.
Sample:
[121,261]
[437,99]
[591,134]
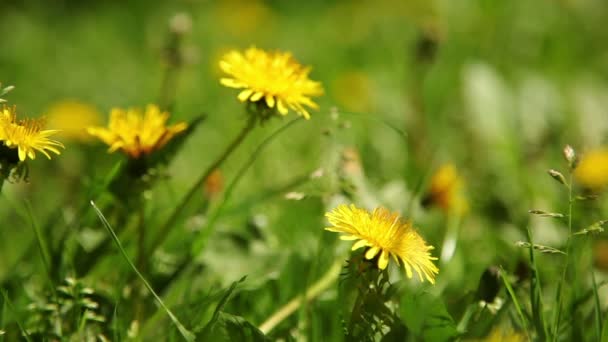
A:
[180,24]
[557,176]
[214,184]
[570,156]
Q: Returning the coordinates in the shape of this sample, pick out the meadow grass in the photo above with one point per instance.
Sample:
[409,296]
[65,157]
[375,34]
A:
[201,156]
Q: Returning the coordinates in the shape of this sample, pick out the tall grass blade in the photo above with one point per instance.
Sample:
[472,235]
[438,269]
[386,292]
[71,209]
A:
[598,307]
[188,336]
[520,313]
[10,306]
[536,294]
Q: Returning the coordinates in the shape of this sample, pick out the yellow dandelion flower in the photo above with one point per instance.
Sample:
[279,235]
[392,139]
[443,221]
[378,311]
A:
[501,335]
[353,91]
[275,77]
[26,135]
[385,235]
[446,190]
[137,133]
[72,118]
[592,169]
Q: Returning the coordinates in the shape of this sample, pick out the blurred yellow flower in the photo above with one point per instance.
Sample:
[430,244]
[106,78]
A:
[501,335]
[137,133]
[72,118]
[243,18]
[26,135]
[447,191]
[592,170]
[385,235]
[352,91]
[275,77]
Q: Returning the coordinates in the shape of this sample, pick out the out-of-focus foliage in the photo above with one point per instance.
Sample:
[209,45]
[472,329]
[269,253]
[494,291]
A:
[493,88]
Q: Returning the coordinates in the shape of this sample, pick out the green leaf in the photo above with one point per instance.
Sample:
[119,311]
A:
[227,327]
[427,318]
[605,330]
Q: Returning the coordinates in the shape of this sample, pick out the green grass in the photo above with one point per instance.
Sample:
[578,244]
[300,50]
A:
[495,88]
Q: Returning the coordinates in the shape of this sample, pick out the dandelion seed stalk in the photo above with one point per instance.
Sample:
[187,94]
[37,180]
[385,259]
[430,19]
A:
[166,228]
[560,293]
[188,336]
[311,293]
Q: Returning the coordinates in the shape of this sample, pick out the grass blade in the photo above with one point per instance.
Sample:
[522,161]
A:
[598,308]
[536,294]
[7,303]
[520,312]
[188,336]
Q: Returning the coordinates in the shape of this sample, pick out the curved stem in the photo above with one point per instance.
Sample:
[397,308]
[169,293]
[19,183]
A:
[313,291]
[200,242]
[560,286]
[164,230]
[188,336]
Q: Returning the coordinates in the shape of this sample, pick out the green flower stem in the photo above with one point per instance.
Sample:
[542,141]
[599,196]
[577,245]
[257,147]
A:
[166,228]
[451,237]
[186,334]
[311,293]
[560,294]
[596,302]
[141,256]
[206,233]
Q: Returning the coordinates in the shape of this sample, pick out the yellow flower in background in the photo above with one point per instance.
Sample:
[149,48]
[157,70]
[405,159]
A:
[243,18]
[274,77]
[501,335]
[592,169]
[26,135]
[385,235]
[447,191]
[72,118]
[352,91]
[137,133]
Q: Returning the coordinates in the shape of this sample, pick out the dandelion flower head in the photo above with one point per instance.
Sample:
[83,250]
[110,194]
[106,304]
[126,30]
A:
[72,118]
[137,133]
[26,135]
[592,170]
[385,235]
[274,77]
[502,335]
[447,190]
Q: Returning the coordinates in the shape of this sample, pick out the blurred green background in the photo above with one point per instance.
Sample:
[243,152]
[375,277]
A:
[495,87]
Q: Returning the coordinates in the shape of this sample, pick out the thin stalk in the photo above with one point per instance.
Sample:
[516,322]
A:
[598,307]
[8,303]
[466,317]
[312,292]
[560,294]
[520,313]
[199,244]
[44,255]
[230,188]
[188,336]
[141,256]
[165,229]
[451,237]
[536,297]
